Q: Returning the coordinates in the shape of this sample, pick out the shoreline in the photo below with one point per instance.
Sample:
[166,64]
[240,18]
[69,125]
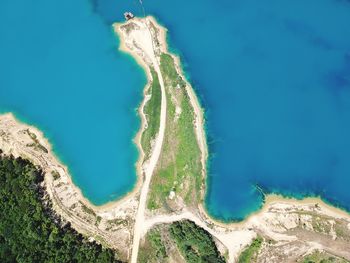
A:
[49,146]
[123,222]
[17,138]
[277,199]
[270,198]
[137,139]
[140,43]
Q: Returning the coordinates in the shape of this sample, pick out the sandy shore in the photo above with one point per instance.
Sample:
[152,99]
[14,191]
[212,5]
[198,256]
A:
[227,232]
[202,141]
[132,206]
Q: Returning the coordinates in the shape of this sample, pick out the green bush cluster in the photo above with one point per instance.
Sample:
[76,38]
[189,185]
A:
[195,244]
[157,244]
[154,250]
[152,112]
[250,253]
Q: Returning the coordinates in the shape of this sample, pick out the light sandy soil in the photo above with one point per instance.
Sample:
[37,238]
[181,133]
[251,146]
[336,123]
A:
[122,224]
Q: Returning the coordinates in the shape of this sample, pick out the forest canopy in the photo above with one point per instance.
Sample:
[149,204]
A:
[29,230]
[195,244]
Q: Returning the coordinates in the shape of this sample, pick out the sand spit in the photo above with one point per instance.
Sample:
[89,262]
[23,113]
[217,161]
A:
[277,215]
[139,42]
[289,223]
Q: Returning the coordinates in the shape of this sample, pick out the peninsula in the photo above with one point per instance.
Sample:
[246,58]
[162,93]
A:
[163,219]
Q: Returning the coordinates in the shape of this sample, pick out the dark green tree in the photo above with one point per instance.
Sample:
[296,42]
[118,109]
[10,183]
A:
[194,243]
[30,231]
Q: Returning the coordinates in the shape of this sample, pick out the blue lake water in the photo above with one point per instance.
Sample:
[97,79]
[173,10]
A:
[61,70]
[273,76]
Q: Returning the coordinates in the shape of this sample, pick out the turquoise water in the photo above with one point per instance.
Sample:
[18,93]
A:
[60,70]
[273,76]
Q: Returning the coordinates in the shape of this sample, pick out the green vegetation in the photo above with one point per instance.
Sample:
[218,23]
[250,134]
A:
[55,175]
[157,245]
[87,209]
[195,244]
[154,249]
[342,231]
[36,144]
[251,252]
[98,220]
[183,239]
[189,153]
[167,67]
[152,113]
[180,168]
[29,230]
[322,257]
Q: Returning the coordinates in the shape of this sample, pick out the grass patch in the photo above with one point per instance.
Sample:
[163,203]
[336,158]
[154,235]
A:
[154,249]
[161,189]
[87,209]
[180,160]
[342,231]
[168,69]
[98,220]
[152,113]
[36,144]
[250,253]
[322,257]
[157,245]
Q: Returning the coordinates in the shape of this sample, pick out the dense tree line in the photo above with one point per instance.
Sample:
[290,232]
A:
[29,230]
[195,244]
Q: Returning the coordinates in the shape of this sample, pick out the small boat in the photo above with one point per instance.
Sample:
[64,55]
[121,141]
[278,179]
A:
[128,15]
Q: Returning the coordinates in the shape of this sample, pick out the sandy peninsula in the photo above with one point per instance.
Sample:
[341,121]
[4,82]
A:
[123,224]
